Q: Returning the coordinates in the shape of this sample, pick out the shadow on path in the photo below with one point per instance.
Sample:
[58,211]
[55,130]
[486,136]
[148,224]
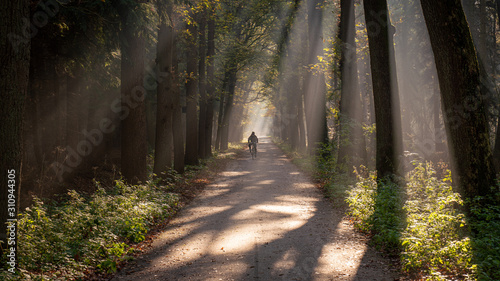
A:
[262,220]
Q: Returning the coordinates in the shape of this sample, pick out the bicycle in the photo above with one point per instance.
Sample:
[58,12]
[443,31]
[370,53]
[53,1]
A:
[253,150]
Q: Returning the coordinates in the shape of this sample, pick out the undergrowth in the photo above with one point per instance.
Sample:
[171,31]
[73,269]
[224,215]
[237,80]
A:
[421,219]
[64,240]
[82,234]
[425,224]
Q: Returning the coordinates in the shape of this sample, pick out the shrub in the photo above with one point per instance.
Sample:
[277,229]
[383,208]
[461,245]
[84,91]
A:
[377,209]
[63,240]
[485,225]
[435,240]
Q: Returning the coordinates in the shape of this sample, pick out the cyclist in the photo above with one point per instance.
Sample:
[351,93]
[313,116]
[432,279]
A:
[252,140]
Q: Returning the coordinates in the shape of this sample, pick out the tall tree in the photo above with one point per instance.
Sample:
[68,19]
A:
[165,105]
[209,116]
[204,100]
[177,127]
[350,102]
[132,113]
[191,156]
[386,103]
[462,101]
[15,54]
[315,87]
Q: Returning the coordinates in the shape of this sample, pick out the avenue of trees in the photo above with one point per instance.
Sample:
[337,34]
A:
[109,87]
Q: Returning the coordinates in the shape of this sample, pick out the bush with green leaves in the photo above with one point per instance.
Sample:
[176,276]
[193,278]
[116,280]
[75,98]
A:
[376,208]
[485,226]
[60,241]
[423,222]
[436,240]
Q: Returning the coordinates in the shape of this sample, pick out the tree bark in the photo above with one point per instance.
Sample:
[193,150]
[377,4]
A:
[209,116]
[165,106]
[202,125]
[132,113]
[315,88]
[462,101]
[384,91]
[350,103]
[191,157]
[15,54]
[177,128]
[229,92]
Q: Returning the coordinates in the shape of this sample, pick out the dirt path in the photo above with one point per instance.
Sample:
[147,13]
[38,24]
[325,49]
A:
[262,220]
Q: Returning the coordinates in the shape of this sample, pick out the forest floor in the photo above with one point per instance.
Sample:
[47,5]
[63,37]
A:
[260,220]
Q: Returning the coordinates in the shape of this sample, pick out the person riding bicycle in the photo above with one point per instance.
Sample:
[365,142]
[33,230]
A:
[252,140]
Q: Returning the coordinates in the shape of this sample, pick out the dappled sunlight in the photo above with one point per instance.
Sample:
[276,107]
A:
[258,221]
[252,187]
[266,182]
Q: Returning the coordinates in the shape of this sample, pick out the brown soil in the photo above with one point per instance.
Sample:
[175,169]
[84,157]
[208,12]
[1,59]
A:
[260,220]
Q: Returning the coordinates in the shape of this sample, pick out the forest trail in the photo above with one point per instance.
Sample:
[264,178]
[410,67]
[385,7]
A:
[261,220]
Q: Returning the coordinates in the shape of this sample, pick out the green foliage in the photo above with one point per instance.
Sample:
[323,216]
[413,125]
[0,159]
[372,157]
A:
[485,226]
[82,233]
[377,209]
[361,199]
[435,240]
[388,218]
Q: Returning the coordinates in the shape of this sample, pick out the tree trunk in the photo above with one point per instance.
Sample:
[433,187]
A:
[132,113]
[209,116]
[191,157]
[462,101]
[302,127]
[496,149]
[315,88]
[387,134]
[230,92]
[350,119]
[220,117]
[165,106]
[15,53]
[202,125]
[177,127]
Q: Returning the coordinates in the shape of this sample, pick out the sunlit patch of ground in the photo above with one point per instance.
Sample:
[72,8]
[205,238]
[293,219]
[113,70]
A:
[260,222]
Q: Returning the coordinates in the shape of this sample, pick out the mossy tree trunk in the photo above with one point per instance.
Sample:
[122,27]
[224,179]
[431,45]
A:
[462,101]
